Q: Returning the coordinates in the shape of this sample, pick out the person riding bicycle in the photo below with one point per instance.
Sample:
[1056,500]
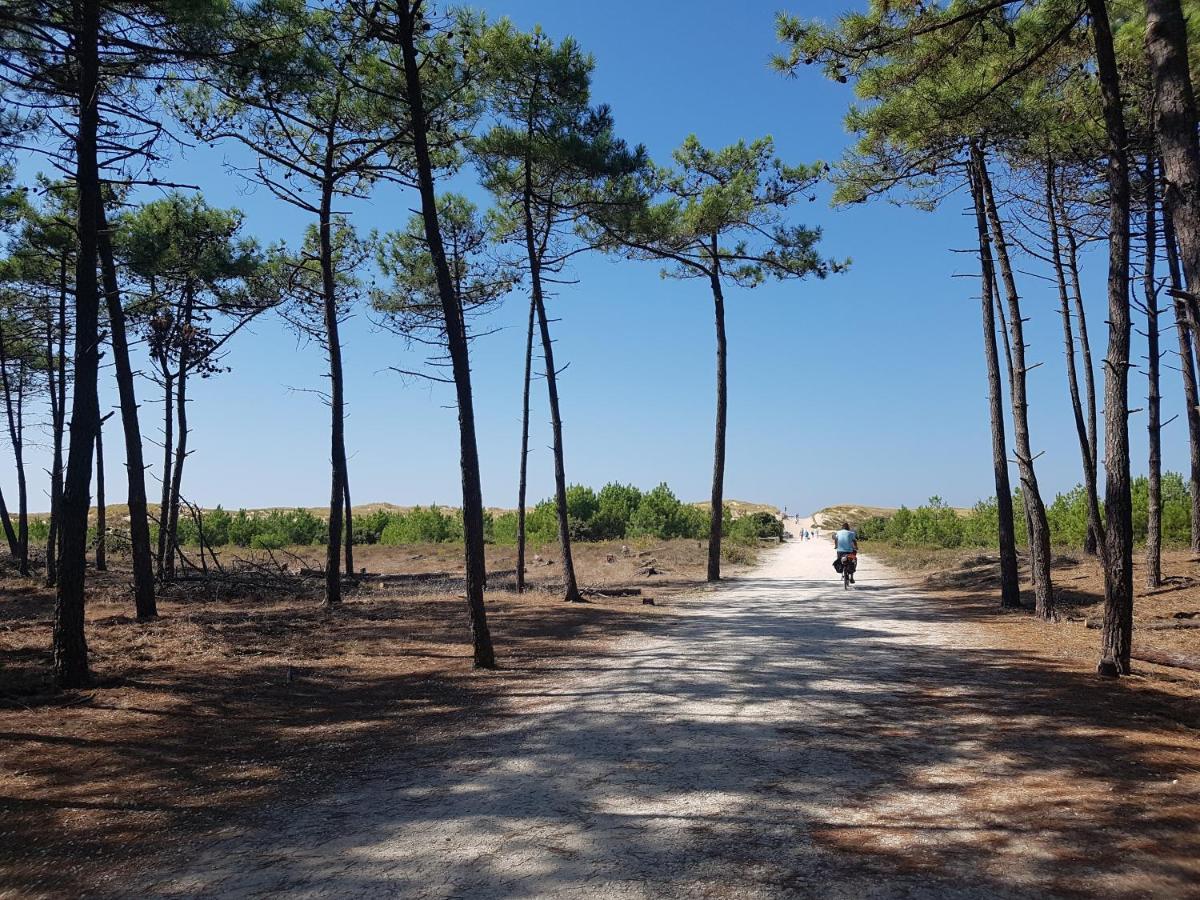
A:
[845,541]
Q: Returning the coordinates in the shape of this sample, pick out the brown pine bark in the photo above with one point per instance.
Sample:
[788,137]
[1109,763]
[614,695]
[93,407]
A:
[523,478]
[716,513]
[409,17]
[1117,636]
[1175,127]
[1010,586]
[135,468]
[1187,370]
[1086,447]
[1153,398]
[1039,529]
[70,643]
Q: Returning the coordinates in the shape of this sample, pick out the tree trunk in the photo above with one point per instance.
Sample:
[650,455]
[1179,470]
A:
[1187,370]
[716,513]
[1094,538]
[70,643]
[171,513]
[570,586]
[1175,127]
[139,521]
[101,511]
[523,478]
[1086,449]
[12,405]
[1117,635]
[1039,529]
[349,524]
[456,342]
[58,400]
[167,468]
[1010,586]
[337,490]
[1153,399]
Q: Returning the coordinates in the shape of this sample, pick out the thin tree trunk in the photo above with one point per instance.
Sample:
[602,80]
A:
[1086,449]
[1039,533]
[1153,398]
[337,490]
[171,513]
[12,412]
[70,643]
[101,510]
[1010,586]
[1117,636]
[1094,538]
[167,468]
[523,478]
[570,586]
[1187,369]
[139,521]
[716,513]
[349,524]
[56,379]
[1175,127]
[10,533]
[456,342]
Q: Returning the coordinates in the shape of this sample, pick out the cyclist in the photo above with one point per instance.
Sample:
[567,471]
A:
[846,541]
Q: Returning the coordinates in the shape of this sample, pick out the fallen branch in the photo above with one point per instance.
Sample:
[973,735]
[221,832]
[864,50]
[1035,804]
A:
[1171,660]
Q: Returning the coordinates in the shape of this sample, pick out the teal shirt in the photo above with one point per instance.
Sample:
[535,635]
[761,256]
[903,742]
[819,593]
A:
[845,541]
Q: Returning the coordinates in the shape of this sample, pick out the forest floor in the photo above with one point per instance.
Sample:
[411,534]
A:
[779,736]
[245,694]
[776,736]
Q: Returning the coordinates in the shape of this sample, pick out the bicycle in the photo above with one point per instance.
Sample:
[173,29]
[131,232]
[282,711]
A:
[849,567]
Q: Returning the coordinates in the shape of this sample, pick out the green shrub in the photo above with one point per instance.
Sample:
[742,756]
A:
[754,527]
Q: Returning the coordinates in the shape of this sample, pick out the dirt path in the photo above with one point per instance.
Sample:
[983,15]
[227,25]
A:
[780,737]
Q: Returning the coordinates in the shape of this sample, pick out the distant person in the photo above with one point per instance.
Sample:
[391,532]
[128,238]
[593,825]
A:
[845,541]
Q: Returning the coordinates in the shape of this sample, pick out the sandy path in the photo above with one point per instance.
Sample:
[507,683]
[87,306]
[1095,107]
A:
[780,737]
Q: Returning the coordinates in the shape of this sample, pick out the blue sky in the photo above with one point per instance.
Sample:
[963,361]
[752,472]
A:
[867,387]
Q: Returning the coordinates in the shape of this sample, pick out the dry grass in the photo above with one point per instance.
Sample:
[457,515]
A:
[1165,618]
[221,706]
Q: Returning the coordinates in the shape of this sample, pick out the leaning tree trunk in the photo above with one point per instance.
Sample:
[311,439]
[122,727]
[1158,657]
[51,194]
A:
[522,480]
[171,512]
[570,586]
[1094,540]
[1175,127]
[1187,370]
[1086,449]
[1117,637]
[337,490]
[139,521]
[1010,587]
[456,344]
[716,513]
[1153,399]
[70,644]
[1039,533]
[101,511]
[167,467]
